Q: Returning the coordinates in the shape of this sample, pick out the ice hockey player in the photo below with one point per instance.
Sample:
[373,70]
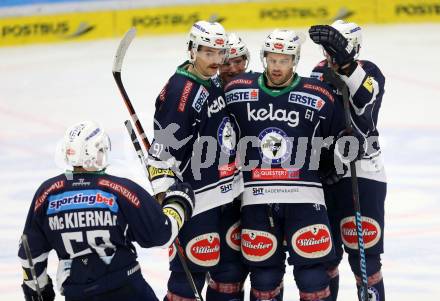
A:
[230,229]
[283,200]
[341,43]
[194,141]
[238,59]
[91,218]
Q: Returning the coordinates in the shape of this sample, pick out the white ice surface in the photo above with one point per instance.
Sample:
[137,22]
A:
[44,89]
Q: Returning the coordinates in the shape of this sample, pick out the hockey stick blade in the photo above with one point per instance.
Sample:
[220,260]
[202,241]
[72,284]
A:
[122,49]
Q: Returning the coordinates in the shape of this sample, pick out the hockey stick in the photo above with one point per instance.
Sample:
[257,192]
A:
[176,243]
[117,66]
[335,80]
[27,250]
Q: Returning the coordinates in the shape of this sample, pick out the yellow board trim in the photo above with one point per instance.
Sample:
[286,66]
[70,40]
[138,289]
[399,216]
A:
[178,19]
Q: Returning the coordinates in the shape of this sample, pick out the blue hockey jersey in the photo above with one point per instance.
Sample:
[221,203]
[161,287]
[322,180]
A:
[194,141]
[287,127]
[92,214]
[366,87]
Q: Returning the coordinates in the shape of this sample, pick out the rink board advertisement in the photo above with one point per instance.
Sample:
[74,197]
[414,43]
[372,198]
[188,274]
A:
[399,11]
[234,16]
[243,15]
[56,28]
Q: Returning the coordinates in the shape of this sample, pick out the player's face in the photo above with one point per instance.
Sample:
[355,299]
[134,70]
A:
[232,68]
[279,67]
[208,60]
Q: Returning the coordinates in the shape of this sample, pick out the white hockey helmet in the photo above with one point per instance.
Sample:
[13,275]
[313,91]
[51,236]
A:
[209,34]
[237,47]
[283,41]
[352,32]
[86,145]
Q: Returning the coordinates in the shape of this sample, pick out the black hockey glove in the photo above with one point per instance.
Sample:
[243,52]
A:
[331,177]
[47,292]
[346,144]
[334,43]
[183,195]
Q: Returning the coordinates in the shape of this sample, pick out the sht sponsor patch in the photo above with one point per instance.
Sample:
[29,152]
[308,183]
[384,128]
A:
[204,250]
[257,245]
[313,241]
[370,230]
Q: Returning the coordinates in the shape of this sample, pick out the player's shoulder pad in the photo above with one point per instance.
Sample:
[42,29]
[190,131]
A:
[181,90]
[319,88]
[124,187]
[371,69]
[48,187]
[243,81]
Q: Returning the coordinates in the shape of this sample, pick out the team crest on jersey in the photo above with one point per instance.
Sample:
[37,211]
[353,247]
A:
[275,147]
[201,97]
[226,136]
[306,99]
[82,199]
[371,232]
[233,236]
[257,245]
[239,95]
[313,241]
[204,250]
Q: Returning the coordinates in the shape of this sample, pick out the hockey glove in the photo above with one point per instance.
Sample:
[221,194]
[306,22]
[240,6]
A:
[182,195]
[47,292]
[350,146]
[334,43]
[331,177]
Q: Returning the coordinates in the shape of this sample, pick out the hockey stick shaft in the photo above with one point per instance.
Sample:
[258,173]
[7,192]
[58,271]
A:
[27,251]
[116,70]
[176,243]
[117,66]
[331,77]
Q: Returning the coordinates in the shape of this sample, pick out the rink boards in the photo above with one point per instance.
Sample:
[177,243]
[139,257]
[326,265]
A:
[172,19]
